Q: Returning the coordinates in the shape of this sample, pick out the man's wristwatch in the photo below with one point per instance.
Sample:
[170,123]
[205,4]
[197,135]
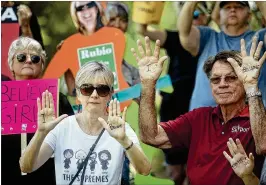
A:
[251,92]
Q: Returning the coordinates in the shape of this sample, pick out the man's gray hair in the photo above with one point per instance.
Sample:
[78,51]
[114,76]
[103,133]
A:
[222,57]
[92,70]
[23,43]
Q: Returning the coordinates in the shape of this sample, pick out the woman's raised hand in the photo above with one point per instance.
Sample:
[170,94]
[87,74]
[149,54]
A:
[115,124]
[46,113]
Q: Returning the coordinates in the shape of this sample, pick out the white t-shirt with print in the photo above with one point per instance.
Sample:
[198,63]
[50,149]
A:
[71,146]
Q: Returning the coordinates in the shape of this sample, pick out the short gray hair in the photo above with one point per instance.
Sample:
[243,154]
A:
[222,57]
[25,43]
[92,70]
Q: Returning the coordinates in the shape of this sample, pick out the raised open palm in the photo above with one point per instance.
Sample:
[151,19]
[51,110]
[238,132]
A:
[240,162]
[249,72]
[46,113]
[150,65]
[24,15]
[115,124]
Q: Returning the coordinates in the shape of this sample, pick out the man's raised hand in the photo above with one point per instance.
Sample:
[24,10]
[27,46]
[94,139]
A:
[150,65]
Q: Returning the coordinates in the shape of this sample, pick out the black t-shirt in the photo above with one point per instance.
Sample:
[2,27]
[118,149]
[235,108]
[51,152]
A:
[182,70]
[182,64]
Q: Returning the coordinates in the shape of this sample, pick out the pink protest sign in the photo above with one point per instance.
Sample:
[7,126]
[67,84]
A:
[19,104]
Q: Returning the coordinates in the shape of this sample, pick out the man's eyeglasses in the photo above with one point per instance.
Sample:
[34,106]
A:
[87,90]
[227,79]
[88,5]
[23,57]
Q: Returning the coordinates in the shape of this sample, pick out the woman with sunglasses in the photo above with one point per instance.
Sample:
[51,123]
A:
[89,17]
[26,60]
[80,132]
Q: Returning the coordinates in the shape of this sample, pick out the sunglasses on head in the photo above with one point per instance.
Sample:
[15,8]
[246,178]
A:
[87,89]
[88,5]
[23,57]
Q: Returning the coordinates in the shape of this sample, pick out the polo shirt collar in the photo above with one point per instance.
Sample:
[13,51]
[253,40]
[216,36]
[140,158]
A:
[243,113]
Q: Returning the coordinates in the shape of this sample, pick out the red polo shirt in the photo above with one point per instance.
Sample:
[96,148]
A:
[202,131]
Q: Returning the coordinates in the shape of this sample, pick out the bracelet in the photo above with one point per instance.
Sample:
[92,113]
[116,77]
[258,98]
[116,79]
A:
[253,92]
[130,146]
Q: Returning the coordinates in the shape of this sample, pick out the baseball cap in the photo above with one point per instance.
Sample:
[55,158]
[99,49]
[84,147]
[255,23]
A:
[244,3]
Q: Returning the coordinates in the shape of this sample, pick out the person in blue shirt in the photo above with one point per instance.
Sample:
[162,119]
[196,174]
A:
[205,42]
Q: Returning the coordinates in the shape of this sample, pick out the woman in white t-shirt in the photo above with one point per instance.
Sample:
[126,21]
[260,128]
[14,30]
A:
[71,138]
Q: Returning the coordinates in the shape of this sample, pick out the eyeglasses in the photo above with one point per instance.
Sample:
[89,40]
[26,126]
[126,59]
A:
[88,5]
[23,57]
[228,79]
[87,89]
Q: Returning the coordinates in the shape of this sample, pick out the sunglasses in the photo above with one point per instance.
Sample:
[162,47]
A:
[23,57]
[87,89]
[227,79]
[88,5]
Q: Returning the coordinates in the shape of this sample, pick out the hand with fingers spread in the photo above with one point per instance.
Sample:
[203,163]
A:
[249,72]
[24,15]
[241,163]
[115,125]
[150,66]
[46,113]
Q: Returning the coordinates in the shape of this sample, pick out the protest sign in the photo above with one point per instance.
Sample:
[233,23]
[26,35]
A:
[19,104]
[107,45]
[147,12]
[103,53]
[10,32]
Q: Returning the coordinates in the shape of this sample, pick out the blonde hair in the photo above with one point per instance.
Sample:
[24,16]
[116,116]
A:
[92,70]
[74,17]
[23,43]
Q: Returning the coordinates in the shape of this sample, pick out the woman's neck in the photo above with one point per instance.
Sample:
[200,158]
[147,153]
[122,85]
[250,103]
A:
[89,123]
[88,31]
[235,30]
[25,77]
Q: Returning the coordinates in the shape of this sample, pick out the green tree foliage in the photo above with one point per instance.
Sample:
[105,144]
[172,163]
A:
[55,21]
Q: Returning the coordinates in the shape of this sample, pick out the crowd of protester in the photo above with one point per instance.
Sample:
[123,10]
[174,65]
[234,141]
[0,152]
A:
[212,126]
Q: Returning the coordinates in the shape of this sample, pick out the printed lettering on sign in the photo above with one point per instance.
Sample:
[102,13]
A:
[19,104]
[9,14]
[102,53]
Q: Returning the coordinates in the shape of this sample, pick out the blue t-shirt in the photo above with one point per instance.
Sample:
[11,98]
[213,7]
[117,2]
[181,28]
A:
[263,174]
[212,42]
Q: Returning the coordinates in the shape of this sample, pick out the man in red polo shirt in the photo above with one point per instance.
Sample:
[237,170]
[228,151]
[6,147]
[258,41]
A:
[205,131]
